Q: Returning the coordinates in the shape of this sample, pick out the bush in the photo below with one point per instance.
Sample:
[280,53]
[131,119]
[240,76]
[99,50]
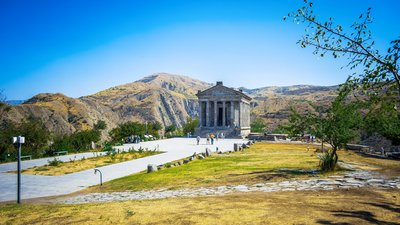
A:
[54,162]
[76,142]
[127,129]
[257,125]
[100,125]
[327,161]
[190,125]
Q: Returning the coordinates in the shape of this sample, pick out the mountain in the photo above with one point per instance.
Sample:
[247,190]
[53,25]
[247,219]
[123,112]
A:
[15,102]
[273,104]
[166,98]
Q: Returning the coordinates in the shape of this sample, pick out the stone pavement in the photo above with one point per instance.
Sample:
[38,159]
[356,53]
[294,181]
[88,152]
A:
[34,186]
[355,179]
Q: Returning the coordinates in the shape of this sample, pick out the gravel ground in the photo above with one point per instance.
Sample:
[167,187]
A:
[354,179]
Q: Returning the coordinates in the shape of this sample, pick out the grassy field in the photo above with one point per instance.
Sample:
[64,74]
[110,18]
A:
[260,163]
[357,206]
[89,163]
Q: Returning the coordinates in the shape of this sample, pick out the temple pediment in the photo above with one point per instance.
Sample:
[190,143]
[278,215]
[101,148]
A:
[220,91]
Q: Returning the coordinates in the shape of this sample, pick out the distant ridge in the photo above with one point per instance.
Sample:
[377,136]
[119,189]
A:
[166,98]
[15,102]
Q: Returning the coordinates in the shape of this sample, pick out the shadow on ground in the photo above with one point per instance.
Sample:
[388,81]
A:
[365,216]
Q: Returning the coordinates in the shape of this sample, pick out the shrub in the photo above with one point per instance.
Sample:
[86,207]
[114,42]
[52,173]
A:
[54,162]
[327,161]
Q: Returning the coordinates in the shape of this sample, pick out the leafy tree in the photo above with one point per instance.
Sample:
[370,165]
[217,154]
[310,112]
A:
[190,125]
[299,124]
[127,129]
[385,120]
[337,126]
[378,72]
[257,125]
[36,138]
[153,128]
[170,129]
[76,142]
[4,107]
[326,37]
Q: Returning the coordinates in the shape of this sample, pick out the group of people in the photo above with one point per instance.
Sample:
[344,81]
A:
[211,137]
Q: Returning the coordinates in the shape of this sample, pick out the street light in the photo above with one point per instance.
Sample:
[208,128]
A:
[101,176]
[19,140]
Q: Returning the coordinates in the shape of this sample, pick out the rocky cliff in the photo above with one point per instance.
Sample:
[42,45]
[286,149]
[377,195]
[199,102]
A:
[166,98]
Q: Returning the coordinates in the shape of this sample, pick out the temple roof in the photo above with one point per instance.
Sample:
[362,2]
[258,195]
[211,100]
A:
[219,90]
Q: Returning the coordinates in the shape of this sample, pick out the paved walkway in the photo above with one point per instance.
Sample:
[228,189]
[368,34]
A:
[34,186]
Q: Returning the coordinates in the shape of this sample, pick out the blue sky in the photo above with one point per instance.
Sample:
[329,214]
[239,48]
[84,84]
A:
[81,47]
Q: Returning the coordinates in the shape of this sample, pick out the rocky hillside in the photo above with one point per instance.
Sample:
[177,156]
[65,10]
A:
[273,103]
[166,98]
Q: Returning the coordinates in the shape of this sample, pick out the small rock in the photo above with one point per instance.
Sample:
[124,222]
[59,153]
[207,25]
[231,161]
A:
[208,152]
[151,168]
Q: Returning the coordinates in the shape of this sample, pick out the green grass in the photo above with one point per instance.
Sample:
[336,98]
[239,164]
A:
[257,164]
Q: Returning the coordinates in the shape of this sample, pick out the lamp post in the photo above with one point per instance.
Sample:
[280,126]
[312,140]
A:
[19,140]
[101,176]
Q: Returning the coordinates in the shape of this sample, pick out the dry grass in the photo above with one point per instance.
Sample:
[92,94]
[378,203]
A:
[260,163]
[357,206]
[85,164]
[388,167]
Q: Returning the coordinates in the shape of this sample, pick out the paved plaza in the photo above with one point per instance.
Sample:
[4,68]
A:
[34,186]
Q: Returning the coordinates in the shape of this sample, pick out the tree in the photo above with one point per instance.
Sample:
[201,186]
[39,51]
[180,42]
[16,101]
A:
[337,126]
[378,70]
[78,141]
[170,129]
[378,74]
[4,107]
[385,120]
[257,125]
[36,138]
[299,124]
[124,130]
[190,125]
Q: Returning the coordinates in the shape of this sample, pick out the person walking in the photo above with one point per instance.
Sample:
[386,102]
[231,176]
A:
[198,140]
[208,139]
[212,138]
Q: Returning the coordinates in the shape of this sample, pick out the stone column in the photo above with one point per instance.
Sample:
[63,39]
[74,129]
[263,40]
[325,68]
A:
[201,114]
[223,114]
[207,113]
[232,113]
[215,113]
[240,114]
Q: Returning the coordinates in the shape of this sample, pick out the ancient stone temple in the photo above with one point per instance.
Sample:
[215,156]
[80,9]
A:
[224,110]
